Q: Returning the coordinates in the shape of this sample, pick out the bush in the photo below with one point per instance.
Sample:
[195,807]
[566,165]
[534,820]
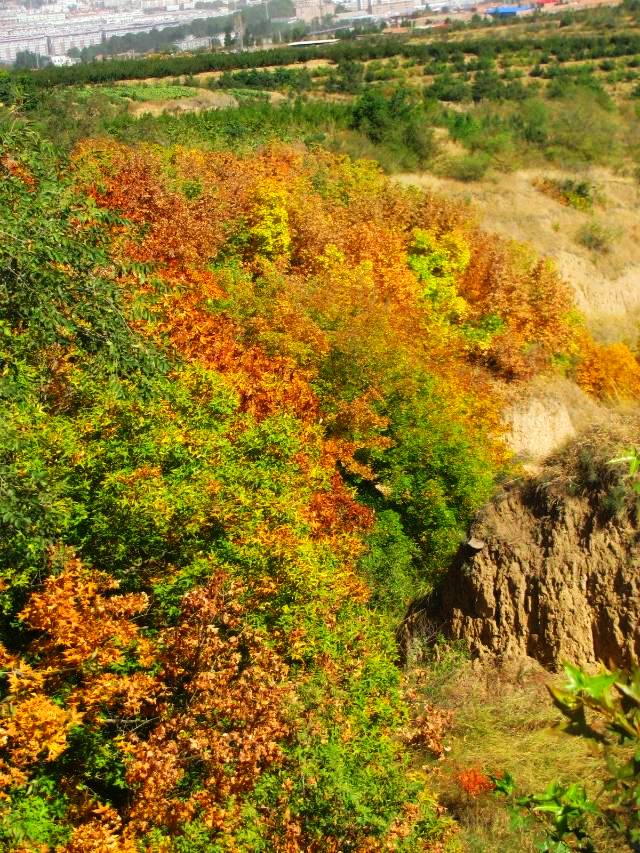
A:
[596,237]
[446,87]
[397,124]
[581,195]
[583,128]
[347,78]
[467,167]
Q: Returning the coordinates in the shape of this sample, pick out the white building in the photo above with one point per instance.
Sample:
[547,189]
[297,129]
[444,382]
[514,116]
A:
[56,28]
[63,60]
[193,43]
[312,10]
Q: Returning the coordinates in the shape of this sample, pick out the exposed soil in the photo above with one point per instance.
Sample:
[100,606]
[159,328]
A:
[551,568]
[546,414]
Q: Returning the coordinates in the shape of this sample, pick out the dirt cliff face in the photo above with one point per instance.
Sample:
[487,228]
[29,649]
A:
[546,579]
[551,567]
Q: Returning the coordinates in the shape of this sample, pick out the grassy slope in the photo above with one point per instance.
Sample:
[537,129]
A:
[504,721]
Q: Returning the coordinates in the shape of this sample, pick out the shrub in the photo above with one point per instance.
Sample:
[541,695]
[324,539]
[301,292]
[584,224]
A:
[583,128]
[445,87]
[397,123]
[596,237]
[608,370]
[581,195]
[467,167]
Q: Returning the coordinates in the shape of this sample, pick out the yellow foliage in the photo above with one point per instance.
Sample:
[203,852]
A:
[36,728]
[270,221]
[608,370]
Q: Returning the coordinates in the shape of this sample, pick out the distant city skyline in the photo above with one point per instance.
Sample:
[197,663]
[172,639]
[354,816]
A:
[52,29]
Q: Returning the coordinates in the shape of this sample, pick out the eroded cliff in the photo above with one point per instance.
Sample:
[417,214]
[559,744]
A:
[551,569]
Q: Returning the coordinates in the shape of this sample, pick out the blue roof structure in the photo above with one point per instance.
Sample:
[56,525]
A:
[505,11]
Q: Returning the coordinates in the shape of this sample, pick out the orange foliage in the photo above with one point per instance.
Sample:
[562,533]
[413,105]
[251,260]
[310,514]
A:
[267,385]
[334,511]
[473,782]
[18,170]
[429,728]
[230,724]
[348,231]
[101,831]
[608,371]
[80,625]
[291,275]
[507,281]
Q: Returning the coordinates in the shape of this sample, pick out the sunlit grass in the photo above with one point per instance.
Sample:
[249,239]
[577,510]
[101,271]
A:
[504,721]
[142,92]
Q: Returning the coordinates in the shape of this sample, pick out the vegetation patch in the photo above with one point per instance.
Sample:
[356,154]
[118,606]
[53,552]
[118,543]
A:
[252,394]
[149,92]
[596,236]
[503,722]
[581,195]
[465,167]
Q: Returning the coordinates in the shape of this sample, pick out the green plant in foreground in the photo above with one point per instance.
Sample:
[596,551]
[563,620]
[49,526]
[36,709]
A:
[604,708]
[632,459]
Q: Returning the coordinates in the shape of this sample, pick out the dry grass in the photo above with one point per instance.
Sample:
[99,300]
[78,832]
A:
[504,720]
[584,467]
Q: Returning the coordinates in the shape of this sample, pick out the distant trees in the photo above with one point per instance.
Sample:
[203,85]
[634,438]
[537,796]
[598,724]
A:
[446,87]
[298,80]
[26,59]
[486,50]
[397,121]
[377,116]
[347,78]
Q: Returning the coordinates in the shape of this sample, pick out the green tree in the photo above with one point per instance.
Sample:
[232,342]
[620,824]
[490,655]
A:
[28,59]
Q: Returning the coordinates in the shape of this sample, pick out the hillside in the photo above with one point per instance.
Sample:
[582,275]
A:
[255,391]
[604,283]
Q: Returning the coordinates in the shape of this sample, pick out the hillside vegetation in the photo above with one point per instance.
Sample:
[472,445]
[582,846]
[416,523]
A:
[460,105]
[253,396]
[251,405]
